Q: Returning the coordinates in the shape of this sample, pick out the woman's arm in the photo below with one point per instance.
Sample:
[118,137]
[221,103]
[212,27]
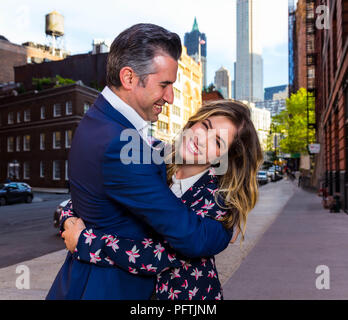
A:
[147,257]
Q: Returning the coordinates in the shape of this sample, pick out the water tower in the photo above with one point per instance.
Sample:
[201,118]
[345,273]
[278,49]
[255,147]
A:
[55,30]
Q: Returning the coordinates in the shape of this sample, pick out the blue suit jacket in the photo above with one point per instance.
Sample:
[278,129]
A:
[131,200]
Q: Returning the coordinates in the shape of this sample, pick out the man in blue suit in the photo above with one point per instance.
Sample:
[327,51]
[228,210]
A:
[129,198]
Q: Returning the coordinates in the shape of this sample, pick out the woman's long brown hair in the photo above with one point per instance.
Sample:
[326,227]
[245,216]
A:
[238,188]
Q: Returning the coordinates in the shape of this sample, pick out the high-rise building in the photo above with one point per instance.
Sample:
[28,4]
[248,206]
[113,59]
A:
[249,65]
[196,44]
[222,82]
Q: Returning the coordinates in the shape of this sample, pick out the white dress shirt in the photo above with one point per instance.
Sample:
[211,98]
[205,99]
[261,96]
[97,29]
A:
[141,125]
[180,186]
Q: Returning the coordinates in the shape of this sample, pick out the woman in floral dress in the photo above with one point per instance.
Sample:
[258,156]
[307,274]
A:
[220,131]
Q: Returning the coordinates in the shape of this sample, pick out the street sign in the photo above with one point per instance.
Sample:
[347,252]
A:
[314,148]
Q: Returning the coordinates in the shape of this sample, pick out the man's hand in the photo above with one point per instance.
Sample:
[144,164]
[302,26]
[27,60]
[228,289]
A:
[72,233]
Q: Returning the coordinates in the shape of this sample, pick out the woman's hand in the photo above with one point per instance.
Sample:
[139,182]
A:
[72,233]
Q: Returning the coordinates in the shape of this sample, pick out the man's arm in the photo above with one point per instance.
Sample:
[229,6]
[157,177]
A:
[141,189]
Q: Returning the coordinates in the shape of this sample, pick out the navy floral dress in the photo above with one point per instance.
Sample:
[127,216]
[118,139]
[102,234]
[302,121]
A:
[178,277]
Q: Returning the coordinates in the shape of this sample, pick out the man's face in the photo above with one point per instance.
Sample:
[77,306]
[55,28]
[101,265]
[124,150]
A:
[157,89]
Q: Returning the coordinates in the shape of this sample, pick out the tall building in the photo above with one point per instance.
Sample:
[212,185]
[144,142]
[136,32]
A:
[196,44]
[222,82]
[249,64]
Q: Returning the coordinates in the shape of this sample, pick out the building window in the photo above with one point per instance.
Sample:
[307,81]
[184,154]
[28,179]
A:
[68,108]
[42,113]
[162,126]
[42,169]
[18,144]
[56,140]
[66,170]
[57,110]
[26,143]
[10,119]
[10,143]
[18,117]
[176,110]
[26,170]
[26,115]
[68,135]
[56,170]
[176,127]
[86,106]
[42,141]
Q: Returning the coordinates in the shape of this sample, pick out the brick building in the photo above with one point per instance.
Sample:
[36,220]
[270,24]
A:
[12,55]
[332,100]
[36,129]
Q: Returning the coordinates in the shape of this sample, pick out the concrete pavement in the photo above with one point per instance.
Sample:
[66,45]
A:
[287,261]
[273,198]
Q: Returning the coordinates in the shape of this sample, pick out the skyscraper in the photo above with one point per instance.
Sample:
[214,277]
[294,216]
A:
[192,42]
[222,82]
[249,65]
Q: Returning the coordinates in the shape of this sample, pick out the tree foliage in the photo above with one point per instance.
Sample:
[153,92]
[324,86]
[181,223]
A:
[292,123]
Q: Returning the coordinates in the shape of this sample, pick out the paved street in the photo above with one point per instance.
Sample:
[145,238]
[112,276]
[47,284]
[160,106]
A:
[27,230]
[288,236]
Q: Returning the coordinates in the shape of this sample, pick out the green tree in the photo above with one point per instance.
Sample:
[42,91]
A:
[292,123]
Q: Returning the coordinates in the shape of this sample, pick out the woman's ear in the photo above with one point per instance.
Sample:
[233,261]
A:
[127,77]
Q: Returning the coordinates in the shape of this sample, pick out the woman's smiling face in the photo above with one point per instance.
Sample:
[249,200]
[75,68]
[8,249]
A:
[207,140]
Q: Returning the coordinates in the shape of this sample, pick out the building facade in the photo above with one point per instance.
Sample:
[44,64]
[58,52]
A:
[187,99]
[331,83]
[12,55]
[197,50]
[249,64]
[36,131]
[222,82]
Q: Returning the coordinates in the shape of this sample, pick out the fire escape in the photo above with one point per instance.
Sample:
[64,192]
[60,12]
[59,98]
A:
[310,60]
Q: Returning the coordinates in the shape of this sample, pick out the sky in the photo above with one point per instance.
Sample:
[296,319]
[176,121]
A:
[24,20]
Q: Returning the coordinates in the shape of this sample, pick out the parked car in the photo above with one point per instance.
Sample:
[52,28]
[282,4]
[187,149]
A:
[262,177]
[57,212]
[15,192]
[274,174]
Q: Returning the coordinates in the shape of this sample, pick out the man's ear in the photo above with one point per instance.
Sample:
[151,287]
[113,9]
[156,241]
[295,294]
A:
[127,77]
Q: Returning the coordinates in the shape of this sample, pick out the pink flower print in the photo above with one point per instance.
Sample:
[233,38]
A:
[132,270]
[196,202]
[164,287]
[89,235]
[185,284]
[204,261]
[212,274]
[173,294]
[204,297]
[133,254]
[212,262]
[201,213]
[147,243]
[209,288]
[212,172]
[192,293]
[95,256]
[148,267]
[110,261]
[208,204]
[212,191]
[197,193]
[218,297]
[175,273]
[185,264]
[65,213]
[196,273]
[158,251]
[183,201]
[107,238]
[220,214]
[113,244]
[171,257]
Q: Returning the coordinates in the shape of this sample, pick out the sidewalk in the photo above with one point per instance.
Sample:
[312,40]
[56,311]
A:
[273,198]
[283,263]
